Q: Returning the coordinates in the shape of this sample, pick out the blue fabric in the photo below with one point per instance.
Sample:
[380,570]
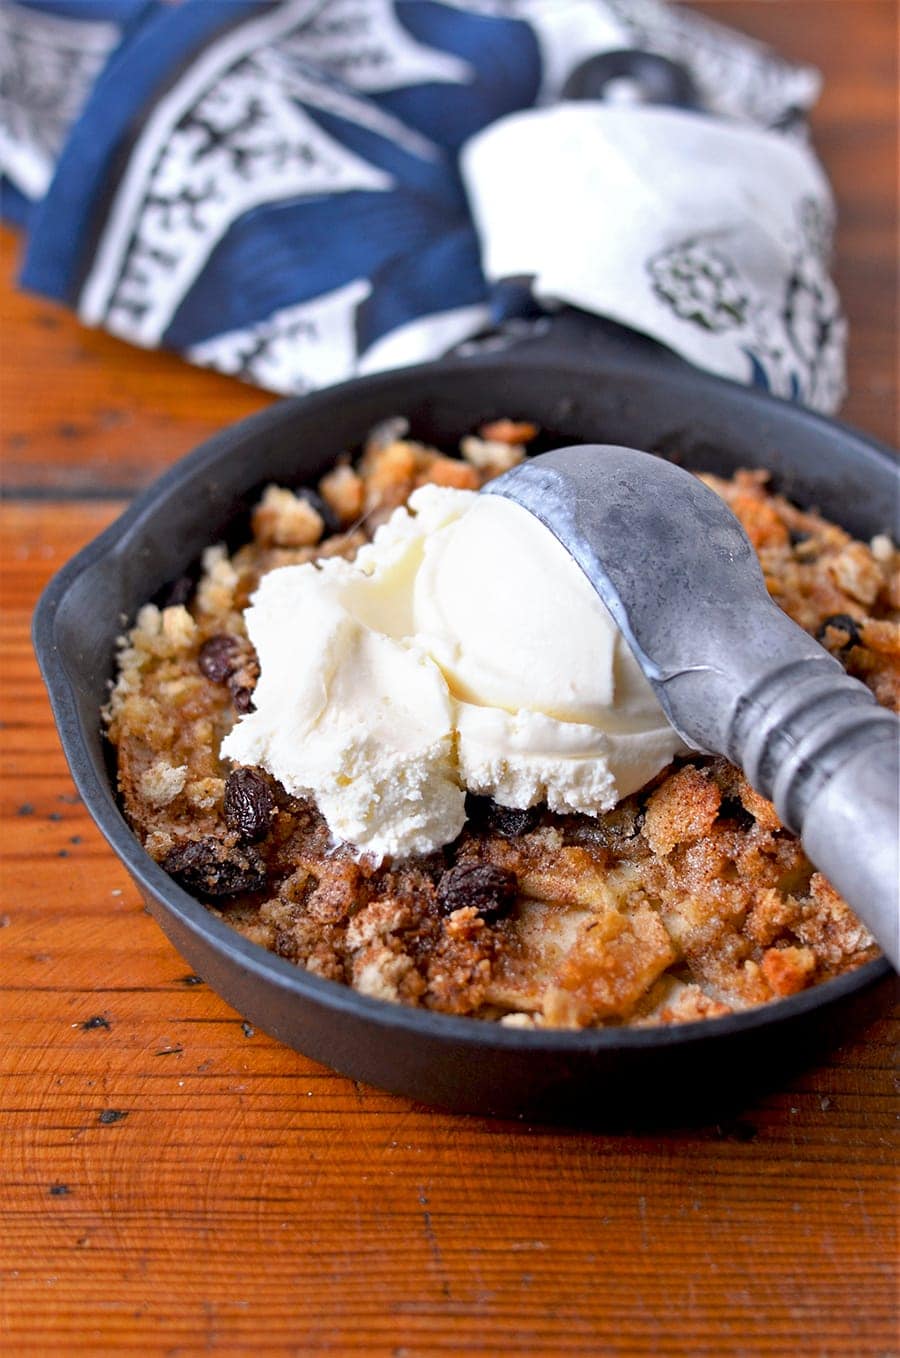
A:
[502,53]
[51,52]
[65,223]
[15,208]
[271,186]
[119,12]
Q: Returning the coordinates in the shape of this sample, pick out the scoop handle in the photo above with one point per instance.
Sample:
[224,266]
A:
[815,741]
[851,831]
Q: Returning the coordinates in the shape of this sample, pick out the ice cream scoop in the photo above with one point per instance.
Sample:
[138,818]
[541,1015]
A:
[734,674]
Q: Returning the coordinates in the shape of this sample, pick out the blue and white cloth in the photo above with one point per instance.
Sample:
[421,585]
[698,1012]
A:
[297,191]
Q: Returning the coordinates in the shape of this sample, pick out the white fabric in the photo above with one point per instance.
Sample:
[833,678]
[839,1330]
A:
[708,235]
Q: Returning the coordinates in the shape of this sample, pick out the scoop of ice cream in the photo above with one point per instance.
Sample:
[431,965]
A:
[551,703]
[463,649]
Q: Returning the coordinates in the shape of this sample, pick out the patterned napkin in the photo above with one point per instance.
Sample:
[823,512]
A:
[297,191]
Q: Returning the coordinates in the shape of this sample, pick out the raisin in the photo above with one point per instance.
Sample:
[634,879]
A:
[177,592]
[219,658]
[249,804]
[285,945]
[841,622]
[614,830]
[733,809]
[200,866]
[797,536]
[486,815]
[511,821]
[433,865]
[329,519]
[242,697]
[491,891]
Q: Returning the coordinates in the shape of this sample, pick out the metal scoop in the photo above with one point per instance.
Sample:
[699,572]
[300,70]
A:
[735,676]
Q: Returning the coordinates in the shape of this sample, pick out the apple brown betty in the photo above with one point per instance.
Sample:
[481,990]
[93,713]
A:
[687,901]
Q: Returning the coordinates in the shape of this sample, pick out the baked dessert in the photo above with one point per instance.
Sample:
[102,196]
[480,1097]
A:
[687,900]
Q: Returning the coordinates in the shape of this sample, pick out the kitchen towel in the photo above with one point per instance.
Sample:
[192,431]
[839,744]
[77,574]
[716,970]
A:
[298,191]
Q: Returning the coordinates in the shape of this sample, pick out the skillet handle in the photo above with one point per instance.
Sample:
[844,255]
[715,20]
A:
[576,335]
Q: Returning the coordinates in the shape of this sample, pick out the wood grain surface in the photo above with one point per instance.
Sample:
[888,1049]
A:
[172,1182]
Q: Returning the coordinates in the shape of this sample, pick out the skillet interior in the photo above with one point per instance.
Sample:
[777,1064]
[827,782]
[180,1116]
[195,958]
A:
[586,388]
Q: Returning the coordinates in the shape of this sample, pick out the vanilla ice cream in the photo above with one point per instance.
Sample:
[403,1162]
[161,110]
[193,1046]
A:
[463,649]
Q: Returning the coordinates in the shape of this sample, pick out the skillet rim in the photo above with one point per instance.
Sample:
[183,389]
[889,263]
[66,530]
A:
[101,803]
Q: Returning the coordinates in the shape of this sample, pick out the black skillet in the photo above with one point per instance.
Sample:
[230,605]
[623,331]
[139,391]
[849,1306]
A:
[581,381]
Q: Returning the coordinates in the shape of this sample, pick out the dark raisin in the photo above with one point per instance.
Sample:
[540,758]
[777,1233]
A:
[177,592]
[487,816]
[511,821]
[492,891]
[249,804]
[325,512]
[242,698]
[477,810]
[219,657]
[841,622]
[434,865]
[285,945]
[796,536]
[201,866]
[615,830]
[733,809]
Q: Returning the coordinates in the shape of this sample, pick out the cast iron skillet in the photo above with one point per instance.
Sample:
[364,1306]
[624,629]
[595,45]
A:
[580,380]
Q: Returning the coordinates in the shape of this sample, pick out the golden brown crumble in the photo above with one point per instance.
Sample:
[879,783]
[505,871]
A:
[687,901]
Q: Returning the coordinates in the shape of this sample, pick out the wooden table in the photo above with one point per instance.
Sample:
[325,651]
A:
[174,1182]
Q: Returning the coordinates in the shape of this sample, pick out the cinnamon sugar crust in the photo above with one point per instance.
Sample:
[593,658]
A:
[687,901]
